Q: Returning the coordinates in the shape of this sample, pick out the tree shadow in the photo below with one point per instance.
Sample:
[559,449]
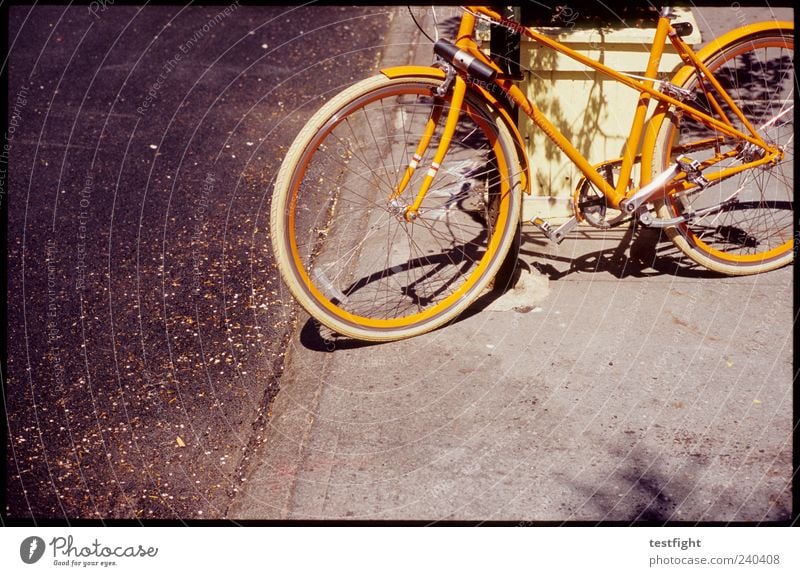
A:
[644,489]
[448,28]
[638,492]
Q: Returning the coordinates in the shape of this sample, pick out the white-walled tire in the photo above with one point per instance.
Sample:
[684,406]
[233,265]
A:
[344,249]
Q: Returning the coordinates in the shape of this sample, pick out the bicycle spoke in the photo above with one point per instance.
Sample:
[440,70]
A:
[363,252]
[759,77]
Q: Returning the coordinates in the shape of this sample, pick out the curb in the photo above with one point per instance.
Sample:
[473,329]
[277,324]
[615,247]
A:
[272,481]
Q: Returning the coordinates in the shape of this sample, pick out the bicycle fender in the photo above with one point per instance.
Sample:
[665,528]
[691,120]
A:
[402,71]
[717,44]
[431,72]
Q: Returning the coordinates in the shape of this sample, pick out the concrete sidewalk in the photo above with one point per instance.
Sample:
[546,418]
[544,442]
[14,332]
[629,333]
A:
[609,390]
[617,383]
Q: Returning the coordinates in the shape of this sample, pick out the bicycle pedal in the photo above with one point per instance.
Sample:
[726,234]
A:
[555,235]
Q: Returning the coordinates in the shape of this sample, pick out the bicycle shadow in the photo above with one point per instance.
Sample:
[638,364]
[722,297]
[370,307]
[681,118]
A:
[319,338]
[641,253]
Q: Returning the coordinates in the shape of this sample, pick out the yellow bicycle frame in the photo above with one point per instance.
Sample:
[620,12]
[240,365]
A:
[465,41]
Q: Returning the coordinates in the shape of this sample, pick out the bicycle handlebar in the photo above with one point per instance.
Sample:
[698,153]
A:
[464,61]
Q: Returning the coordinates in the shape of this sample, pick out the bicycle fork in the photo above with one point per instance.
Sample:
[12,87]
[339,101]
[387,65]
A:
[411,212]
[454,58]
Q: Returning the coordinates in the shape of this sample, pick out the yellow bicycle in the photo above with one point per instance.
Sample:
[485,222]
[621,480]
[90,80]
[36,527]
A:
[397,203]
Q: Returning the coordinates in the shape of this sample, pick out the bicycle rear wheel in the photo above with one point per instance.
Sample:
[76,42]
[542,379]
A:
[755,233]
[346,252]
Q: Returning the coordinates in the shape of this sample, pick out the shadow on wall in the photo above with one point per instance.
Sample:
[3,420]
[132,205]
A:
[581,132]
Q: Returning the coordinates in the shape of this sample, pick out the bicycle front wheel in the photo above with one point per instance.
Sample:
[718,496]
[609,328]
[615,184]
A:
[755,232]
[345,250]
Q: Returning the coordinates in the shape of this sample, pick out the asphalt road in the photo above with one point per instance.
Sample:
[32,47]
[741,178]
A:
[145,334]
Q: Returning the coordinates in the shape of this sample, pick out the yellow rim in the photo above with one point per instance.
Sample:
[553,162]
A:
[741,259]
[447,303]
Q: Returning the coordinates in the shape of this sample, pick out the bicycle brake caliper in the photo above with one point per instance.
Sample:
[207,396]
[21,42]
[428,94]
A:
[681,94]
[449,76]
[693,171]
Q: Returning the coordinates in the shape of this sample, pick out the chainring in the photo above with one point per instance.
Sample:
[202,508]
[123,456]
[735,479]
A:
[593,206]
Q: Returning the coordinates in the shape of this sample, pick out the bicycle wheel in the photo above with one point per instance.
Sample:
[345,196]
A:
[755,233]
[348,255]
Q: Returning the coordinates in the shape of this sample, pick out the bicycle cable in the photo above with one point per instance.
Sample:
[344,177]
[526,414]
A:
[421,29]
